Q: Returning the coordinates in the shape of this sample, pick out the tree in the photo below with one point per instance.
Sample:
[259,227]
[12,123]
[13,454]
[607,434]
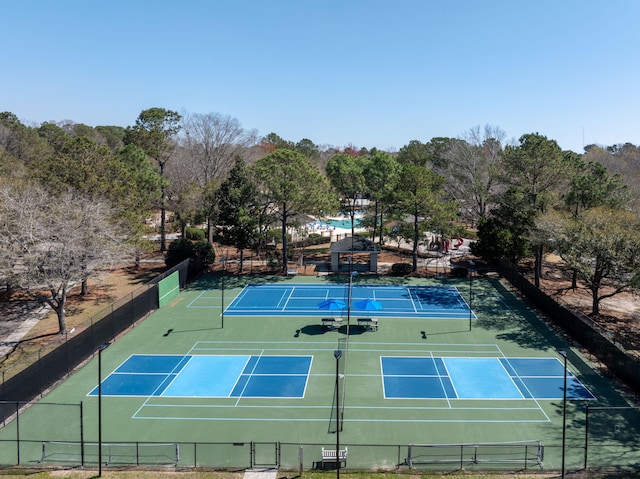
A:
[473,170]
[181,249]
[135,207]
[537,169]
[594,186]
[20,141]
[505,232]
[55,242]
[237,209]
[212,141]
[381,172]
[346,175]
[293,185]
[308,149]
[127,180]
[419,196]
[415,153]
[601,244]
[276,142]
[153,132]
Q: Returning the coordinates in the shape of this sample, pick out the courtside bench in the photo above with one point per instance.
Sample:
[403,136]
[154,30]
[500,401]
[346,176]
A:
[331,323]
[329,457]
[369,323]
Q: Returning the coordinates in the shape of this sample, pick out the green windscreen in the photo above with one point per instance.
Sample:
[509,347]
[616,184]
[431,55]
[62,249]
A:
[168,288]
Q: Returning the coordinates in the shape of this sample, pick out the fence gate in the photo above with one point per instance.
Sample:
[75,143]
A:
[265,454]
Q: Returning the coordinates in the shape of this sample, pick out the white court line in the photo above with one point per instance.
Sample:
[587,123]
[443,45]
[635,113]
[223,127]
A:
[241,395]
[533,398]
[288,298]
[330,345]
[196,299]
[442,384]
[144,403]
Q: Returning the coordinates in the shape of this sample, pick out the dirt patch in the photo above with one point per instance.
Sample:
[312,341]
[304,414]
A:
[619,314]
[44,335]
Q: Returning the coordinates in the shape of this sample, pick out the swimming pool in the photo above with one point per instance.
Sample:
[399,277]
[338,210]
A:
[334,223]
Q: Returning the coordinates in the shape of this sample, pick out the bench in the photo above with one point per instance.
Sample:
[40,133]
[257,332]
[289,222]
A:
[292,271]
[329,457]
[331,323]
[369,323]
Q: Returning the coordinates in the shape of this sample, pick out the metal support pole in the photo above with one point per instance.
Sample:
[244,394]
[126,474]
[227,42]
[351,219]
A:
[586,436]
[100,349]
[564,411]
[337,354]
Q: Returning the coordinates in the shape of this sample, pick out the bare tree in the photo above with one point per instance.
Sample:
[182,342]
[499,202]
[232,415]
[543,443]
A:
[472,169]
[52,243]
[210,145]
[212,142]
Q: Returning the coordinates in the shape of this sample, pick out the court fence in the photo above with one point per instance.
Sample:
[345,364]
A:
[53,434]
[53,364]
[305,456]
[599,342]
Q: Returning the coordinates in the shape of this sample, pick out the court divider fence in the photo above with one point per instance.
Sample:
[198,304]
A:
[36,374]
[603,345]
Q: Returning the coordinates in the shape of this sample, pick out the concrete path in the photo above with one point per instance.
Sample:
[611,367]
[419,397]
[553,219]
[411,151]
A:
[261,473]
[16,319]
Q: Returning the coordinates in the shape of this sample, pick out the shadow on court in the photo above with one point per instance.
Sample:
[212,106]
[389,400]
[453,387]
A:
[312,330]
[317,329]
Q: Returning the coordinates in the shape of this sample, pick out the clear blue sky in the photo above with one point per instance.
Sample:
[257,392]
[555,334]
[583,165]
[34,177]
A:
[372,73]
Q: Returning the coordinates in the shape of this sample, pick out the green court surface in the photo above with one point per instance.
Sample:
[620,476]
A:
[229,388]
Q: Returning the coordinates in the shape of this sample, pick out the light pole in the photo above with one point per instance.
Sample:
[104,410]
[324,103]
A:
[337,354]
[100,349]
[564,410]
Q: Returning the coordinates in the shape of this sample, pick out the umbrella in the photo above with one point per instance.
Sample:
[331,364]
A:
[332,304]
[369,305]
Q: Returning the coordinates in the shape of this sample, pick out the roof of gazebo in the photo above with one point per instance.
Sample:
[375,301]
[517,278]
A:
[355,244]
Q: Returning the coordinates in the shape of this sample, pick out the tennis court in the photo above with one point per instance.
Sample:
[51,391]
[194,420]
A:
[219,371]
[305,299]
[277,376]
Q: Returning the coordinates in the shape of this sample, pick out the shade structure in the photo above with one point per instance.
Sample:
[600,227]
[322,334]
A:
[332,304]
[369,305]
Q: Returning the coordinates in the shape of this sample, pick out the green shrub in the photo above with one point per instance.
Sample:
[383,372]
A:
[401,269]
[194,233]
[458,272]
[181,249]
[204,252]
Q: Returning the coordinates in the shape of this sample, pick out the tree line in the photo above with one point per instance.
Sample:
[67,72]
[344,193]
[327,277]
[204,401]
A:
[74,199]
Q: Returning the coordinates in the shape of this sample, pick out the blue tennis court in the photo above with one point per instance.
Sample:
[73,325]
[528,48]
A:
[403,377]
[209,376]
[478,378]
[304,300]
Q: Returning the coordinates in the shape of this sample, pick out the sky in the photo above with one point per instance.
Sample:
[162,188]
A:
[363,73]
